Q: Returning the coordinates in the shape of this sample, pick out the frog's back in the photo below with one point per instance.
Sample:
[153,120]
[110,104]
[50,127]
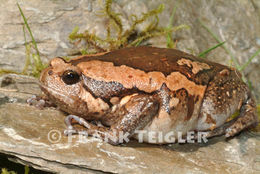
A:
[166,61]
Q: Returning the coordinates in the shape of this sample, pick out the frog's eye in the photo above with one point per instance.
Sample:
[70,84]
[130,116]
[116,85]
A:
[70,77]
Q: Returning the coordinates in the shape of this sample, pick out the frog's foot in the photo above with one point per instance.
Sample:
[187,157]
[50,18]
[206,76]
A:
[70,129]
[135,114]
[98,130]
[40,102]
[219,130]
[92,130]
[247,118]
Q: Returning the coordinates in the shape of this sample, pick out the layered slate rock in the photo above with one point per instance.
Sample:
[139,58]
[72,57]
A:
[24,129]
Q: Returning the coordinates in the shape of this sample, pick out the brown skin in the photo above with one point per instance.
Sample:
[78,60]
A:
[151,89]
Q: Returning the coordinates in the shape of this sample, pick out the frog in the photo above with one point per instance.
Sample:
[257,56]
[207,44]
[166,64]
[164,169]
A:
[148,89]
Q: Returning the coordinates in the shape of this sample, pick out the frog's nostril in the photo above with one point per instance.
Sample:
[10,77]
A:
[50,72]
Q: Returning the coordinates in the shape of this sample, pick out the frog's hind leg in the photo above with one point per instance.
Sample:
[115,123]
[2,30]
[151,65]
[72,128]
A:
[224,96]
[247,117]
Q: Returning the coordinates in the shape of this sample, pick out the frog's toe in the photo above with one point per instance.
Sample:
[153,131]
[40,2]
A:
[231,131]
[36,101]
[239,125]
[40,102]
[79,120]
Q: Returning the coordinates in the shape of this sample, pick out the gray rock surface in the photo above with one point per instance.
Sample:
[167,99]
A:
[24,129]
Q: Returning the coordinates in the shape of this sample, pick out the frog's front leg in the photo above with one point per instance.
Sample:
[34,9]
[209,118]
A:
[40,102]
[134,115]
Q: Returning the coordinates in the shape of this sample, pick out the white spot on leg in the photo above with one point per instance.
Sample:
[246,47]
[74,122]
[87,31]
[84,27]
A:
[125,99]
[174,102]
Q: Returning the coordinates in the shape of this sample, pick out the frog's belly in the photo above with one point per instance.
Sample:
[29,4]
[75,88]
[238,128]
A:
[166,128]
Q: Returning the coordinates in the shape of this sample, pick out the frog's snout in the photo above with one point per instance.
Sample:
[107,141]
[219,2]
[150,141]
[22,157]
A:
[56,63]
[44,73]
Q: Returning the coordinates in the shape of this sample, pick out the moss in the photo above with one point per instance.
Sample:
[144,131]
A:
[128,38]
[5,171]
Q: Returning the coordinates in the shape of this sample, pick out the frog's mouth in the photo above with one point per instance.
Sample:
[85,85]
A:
[54,94]
[67,103]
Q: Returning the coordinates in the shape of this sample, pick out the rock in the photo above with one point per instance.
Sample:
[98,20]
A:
[24,129]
